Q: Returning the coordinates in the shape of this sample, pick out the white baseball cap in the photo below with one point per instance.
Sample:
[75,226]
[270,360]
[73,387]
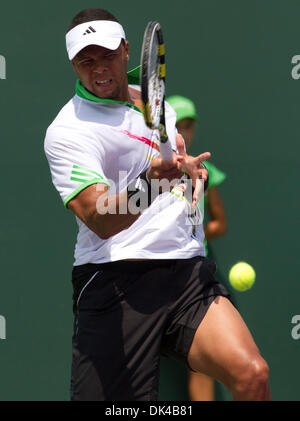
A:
[105,33]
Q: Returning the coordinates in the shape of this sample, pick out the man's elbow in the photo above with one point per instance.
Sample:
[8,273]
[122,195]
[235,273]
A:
[223,228]
[98,226]
[104,234]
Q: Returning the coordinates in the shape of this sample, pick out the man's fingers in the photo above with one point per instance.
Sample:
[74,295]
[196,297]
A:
[203,157]
[180,144]
[196,193]
[203,173]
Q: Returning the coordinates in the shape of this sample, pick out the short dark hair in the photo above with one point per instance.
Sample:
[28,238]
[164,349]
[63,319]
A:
[88,15]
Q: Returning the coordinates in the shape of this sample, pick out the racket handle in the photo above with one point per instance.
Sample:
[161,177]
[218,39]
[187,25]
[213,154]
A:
[165,145]
[166,151]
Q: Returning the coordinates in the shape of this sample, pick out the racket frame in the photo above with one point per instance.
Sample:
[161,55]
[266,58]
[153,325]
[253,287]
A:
[152,30]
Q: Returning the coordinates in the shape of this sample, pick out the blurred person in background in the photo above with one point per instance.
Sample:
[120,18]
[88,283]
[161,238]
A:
[200,386]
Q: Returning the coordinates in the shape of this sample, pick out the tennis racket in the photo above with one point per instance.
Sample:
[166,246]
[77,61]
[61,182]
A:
[153,71]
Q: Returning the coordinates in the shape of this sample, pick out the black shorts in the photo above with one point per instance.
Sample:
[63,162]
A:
[128,314]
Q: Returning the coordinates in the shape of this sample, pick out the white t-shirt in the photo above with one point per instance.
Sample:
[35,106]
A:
[93,142]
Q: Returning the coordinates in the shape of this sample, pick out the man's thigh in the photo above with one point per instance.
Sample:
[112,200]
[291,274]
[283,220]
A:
[223,344]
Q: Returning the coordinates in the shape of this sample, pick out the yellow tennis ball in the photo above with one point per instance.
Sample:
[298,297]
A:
[242,276]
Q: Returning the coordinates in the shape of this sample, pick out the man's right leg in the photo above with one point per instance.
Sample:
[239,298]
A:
[117,333]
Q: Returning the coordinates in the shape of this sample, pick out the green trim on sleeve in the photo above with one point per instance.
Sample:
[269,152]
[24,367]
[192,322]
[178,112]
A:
[78,173]
[87,170]
[84,185]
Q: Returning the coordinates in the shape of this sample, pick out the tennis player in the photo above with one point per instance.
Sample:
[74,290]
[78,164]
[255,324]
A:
[142,286]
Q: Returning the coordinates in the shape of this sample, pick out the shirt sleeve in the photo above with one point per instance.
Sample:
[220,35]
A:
[75,161]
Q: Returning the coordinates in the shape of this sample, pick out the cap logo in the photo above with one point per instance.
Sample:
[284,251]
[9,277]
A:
[89,30]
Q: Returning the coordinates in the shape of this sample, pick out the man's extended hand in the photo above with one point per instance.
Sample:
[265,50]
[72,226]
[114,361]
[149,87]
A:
[172,170]
[192,166]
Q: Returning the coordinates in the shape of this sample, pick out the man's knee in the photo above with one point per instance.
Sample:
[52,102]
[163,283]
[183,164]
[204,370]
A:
[252,377]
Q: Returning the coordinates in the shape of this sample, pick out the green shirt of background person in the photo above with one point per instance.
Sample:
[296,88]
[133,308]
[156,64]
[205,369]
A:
[200,386]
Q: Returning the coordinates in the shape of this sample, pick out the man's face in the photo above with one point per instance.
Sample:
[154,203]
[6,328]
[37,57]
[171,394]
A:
[103,71]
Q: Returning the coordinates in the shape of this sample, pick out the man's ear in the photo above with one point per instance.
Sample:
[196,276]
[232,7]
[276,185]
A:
[74,65]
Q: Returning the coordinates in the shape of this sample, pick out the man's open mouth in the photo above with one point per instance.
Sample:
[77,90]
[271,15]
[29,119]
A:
[103,82]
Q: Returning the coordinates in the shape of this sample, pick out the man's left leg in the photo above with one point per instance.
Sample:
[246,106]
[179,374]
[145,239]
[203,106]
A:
[223,348]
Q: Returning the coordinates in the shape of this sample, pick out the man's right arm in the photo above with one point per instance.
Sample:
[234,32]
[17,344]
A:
[108,214]
[102,213]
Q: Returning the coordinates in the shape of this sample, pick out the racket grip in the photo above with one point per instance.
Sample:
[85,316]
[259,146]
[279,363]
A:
[166,151]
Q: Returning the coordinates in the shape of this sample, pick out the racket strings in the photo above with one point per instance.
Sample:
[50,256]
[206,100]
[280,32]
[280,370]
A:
[156,87]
